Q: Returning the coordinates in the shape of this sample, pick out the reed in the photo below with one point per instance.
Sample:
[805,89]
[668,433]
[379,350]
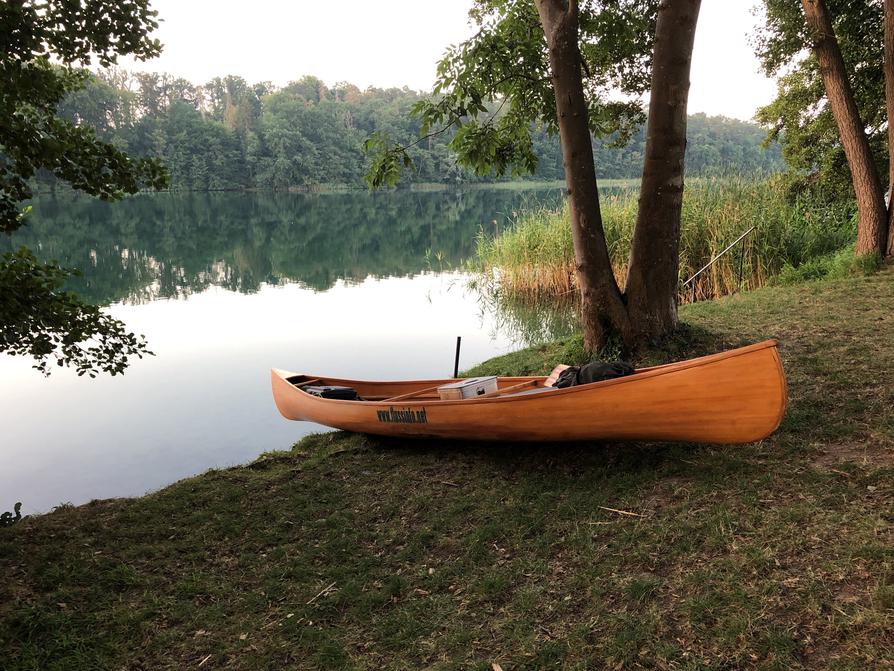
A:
[533,257]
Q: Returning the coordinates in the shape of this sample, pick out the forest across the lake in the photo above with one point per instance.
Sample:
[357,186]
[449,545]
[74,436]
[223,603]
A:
[229,134]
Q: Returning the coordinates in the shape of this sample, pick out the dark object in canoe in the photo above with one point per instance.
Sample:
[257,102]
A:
[331,391]
[597,371]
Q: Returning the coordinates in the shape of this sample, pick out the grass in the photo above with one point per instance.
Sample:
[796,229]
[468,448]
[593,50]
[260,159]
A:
[352,552]
[535,256]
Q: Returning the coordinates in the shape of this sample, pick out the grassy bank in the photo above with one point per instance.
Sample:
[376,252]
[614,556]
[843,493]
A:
[535,256]
[354,552]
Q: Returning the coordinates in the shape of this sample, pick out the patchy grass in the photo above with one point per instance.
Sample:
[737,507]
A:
[353,552]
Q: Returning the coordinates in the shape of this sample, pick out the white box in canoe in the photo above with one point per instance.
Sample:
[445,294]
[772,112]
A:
[468,388]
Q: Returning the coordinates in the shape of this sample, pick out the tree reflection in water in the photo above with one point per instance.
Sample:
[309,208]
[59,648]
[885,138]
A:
[173,245]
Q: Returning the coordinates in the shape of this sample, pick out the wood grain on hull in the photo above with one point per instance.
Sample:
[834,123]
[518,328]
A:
[732,397]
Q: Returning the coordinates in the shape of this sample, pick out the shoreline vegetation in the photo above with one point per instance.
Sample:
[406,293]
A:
[795,237]
[520,184]
[230,134]
[353,552]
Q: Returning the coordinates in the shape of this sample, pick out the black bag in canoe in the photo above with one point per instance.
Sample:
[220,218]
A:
[593,372]
[339,393]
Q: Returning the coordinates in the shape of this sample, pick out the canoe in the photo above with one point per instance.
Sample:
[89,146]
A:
[738,396]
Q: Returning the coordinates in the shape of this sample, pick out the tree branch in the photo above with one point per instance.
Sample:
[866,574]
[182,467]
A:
[434,133]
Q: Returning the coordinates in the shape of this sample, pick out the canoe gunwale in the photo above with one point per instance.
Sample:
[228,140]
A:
[647,373]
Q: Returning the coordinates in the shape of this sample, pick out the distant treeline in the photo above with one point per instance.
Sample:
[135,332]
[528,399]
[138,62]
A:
[228,134]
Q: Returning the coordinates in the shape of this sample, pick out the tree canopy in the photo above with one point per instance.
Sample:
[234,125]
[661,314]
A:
[800,117]
[228,134]
[835,101]
[44,46]
[506,61]
[40,42]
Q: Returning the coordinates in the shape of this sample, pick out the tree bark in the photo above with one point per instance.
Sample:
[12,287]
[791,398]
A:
[889,108]
[653,271]
[873,223]
[603,312]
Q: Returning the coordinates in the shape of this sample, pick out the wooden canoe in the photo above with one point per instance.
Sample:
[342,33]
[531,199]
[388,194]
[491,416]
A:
[737,396]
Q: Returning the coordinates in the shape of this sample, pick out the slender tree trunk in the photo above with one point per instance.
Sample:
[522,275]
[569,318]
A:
[889,108]
[602,307]
[873,226]
[653,270]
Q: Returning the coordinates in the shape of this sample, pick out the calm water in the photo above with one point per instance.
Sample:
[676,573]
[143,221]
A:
[225,287]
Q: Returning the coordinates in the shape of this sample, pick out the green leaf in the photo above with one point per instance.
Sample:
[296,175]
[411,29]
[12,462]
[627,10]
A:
[42,42]
[38,318]
[505,64]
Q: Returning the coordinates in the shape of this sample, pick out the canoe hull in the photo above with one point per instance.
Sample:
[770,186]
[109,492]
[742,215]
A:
[731,397]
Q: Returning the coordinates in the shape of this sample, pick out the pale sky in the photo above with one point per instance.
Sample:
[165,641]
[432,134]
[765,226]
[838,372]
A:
[398,42]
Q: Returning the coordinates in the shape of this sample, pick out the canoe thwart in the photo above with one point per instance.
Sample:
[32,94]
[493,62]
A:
[506,390]
[412,394]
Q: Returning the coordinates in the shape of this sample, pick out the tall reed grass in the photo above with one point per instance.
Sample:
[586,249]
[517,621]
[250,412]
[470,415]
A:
[534,256]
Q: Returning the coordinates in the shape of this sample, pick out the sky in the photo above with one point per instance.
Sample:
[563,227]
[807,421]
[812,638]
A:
[387,43]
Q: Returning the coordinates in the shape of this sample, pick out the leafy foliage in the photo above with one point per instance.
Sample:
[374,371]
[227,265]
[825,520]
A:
[228,135]
[41,44]
[800,116]
[506,61]
[43,321]
[837,265]
[35,36]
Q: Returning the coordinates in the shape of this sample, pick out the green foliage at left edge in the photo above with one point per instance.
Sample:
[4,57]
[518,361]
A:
[33,137]
[495,87]
[42,46]
[34,37]
[40,319]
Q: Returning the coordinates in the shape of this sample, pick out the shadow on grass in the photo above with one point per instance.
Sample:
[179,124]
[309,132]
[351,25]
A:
[534,456]
[565,464]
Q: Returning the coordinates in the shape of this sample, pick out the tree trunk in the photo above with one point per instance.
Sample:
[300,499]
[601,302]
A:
[889,108]
[653,271]
[603,312]
[873,225]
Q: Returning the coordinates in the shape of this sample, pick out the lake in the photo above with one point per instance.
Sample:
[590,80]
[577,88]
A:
[224,287]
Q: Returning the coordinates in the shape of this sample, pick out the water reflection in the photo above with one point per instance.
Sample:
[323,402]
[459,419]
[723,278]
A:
[174,245]
[529,322]
[337,284]
[204,400]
